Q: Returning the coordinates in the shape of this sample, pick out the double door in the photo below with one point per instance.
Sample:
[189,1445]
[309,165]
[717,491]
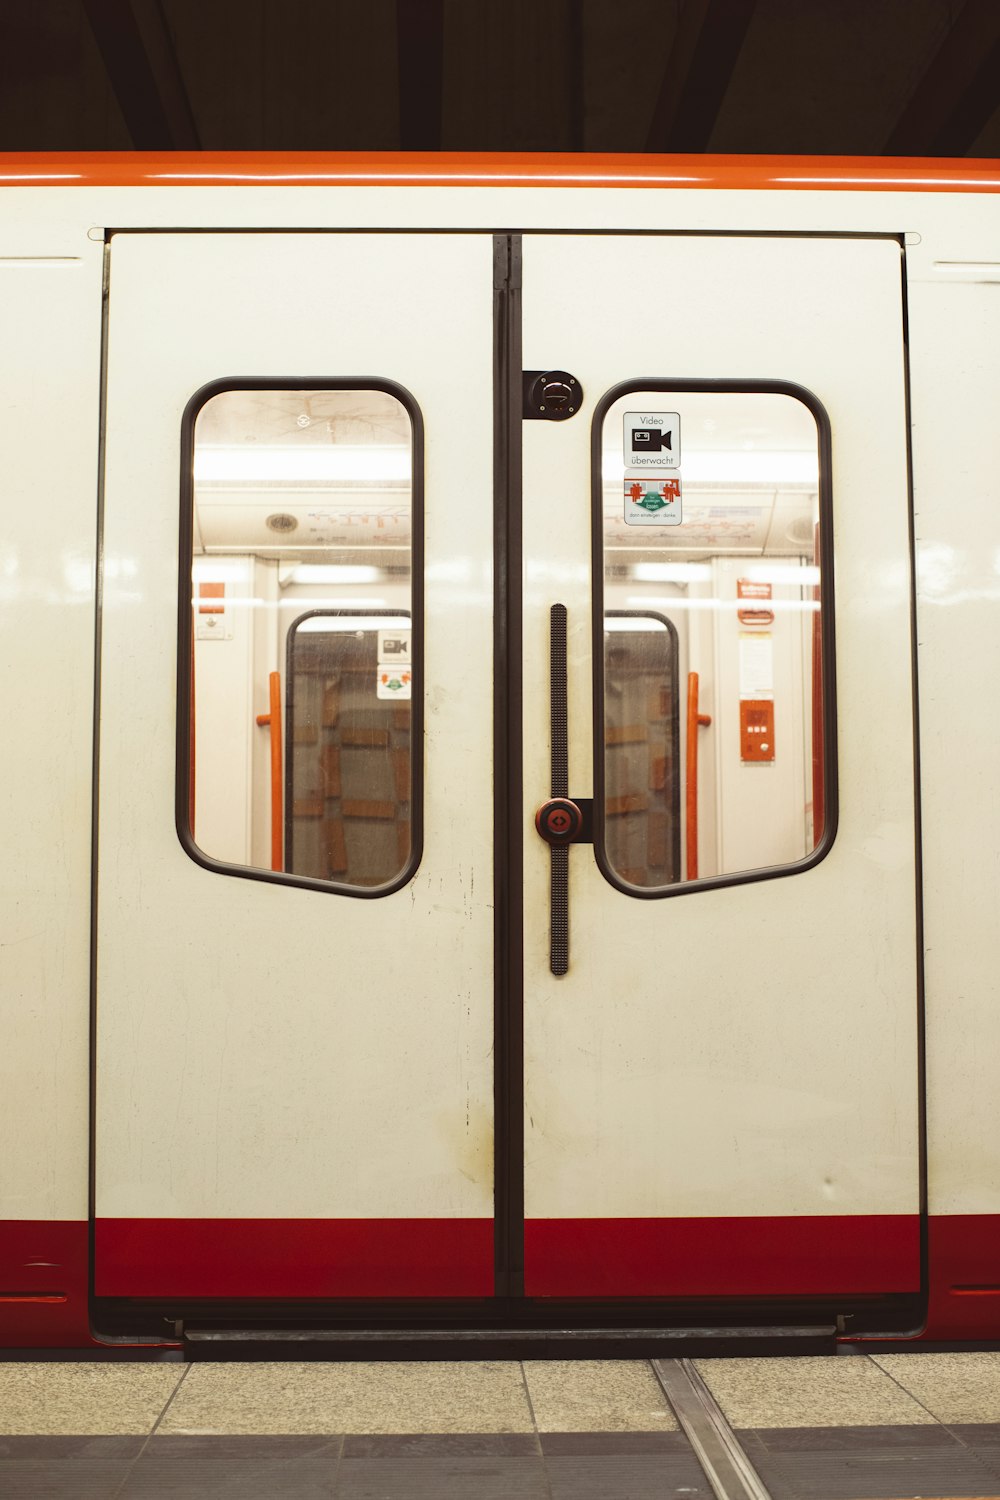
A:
[361,1032]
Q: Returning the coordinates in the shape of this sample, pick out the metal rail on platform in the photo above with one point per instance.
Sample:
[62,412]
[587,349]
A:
[716,1446]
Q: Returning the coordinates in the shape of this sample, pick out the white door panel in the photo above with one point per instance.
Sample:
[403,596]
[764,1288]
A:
[750,1050]
[266,1051]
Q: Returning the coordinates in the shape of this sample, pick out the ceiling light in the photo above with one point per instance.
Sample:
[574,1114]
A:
[722,467]
[328,603]
[783,573]
[723,606]
[327,624]
[259,463]
[335,573]
[220,570]
[671,572]
[632,623]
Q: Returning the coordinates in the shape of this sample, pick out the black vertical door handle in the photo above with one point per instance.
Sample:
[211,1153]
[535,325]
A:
[559,820]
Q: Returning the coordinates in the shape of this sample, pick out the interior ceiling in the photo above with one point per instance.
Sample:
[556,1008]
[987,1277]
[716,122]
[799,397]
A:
[366,508]
[859,77]
[307,418]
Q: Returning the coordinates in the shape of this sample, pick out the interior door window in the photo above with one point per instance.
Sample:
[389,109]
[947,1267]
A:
[712,515]
[641,747]
[348,790]
[299,731]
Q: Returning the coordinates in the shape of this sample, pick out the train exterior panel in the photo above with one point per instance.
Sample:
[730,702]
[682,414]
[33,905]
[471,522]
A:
[357,507]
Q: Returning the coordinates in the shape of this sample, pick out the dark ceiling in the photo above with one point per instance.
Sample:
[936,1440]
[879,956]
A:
[858,77]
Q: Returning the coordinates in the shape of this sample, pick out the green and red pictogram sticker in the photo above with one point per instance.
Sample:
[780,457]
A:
[652,501]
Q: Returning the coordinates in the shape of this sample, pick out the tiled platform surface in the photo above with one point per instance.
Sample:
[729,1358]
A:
[846,1428]
[489,1430]
[887,1427]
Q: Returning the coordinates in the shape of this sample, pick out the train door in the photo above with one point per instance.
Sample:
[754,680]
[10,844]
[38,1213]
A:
[294,1079]
[721,1075]
[295,906]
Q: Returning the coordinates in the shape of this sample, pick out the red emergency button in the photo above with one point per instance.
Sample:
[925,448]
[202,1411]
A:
[559,821]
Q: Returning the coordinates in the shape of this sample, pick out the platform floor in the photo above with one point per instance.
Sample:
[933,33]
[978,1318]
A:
[844,1428]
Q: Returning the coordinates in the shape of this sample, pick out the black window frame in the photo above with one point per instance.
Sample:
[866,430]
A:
[185,626]
[819,414]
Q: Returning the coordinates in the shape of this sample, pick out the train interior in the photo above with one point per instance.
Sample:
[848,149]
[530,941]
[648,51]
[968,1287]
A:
[303,596]
[302,587]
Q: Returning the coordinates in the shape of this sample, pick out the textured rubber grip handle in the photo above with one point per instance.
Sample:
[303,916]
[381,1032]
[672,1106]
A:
[558,700]
[559,904]
[559,740]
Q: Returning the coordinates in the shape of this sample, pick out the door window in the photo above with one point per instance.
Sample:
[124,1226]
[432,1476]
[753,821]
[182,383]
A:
[299,721]
[712,516]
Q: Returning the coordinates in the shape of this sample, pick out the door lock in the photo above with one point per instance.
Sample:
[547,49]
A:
[551,395]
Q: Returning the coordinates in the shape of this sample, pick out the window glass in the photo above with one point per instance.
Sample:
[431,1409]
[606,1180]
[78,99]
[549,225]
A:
[641,752]
[296,719]
[710,515]
[348,783]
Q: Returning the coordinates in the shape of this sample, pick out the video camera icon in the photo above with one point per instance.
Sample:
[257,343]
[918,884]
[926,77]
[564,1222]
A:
[651,439]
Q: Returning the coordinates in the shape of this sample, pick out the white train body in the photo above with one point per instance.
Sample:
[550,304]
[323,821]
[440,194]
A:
[243,1068]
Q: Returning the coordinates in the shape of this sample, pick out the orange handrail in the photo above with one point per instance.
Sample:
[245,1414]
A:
[694,719]
[192,764]
[818,767]
[273,718]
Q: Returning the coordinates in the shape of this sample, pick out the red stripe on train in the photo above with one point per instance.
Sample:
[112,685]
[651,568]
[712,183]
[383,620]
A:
[789,1257]
[50,1258]
[43,1277]
[294,1258]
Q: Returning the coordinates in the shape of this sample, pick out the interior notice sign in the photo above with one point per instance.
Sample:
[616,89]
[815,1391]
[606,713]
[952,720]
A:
[746,588]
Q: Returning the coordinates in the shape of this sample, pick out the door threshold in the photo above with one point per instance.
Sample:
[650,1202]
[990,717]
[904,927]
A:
[272,1342]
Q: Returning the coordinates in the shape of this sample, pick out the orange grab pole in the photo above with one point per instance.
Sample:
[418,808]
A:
[694,720]
[191,746]
[273,718]
[818,767]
